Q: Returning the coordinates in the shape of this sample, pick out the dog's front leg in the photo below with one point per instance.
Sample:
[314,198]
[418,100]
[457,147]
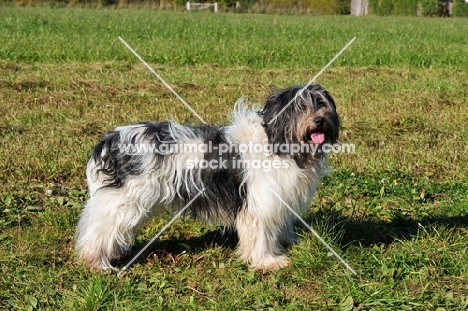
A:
[259,241]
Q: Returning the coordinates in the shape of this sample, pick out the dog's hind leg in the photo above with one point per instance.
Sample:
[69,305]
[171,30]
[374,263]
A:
[106,229]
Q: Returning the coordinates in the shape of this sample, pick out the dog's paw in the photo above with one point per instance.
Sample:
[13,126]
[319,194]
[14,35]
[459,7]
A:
[272,264]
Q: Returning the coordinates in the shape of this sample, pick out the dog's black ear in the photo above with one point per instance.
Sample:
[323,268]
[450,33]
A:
[279,103]
[280,115]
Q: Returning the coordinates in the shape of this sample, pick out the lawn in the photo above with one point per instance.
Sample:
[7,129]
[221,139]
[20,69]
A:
[396,210]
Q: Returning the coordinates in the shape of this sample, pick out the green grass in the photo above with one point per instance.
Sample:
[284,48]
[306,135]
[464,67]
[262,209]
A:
[396,210]
[256,41]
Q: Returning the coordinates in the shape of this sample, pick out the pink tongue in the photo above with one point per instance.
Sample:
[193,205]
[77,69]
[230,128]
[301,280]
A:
[318,138]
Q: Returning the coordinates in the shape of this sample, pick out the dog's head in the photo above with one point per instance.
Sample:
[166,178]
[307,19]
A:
[301,114]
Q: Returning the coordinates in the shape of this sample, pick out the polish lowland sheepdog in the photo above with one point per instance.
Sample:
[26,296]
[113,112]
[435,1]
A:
[137,170]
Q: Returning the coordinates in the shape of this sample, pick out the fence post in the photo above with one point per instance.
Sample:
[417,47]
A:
[188,6]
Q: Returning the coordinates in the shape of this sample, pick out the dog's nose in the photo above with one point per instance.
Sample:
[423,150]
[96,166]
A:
[318,121]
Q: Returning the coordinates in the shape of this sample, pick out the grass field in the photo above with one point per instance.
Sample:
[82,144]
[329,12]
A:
[396,209]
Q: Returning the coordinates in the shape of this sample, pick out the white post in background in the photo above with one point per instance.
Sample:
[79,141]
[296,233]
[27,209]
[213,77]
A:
[359,7]
[201,6]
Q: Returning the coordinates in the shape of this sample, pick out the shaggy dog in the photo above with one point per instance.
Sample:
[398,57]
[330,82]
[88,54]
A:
[137,170]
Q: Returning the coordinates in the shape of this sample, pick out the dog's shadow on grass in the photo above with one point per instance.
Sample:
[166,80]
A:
[366,232]
[141,251]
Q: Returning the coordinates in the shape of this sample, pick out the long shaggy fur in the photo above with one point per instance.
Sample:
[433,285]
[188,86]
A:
[128,188]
